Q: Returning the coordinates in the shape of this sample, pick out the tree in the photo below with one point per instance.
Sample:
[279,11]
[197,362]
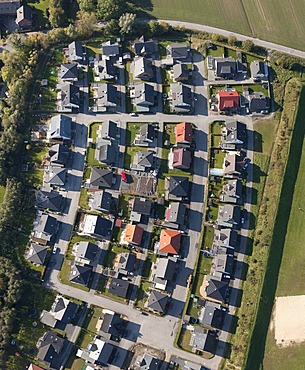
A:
[85,24]
[110,9]
[112,27]
[57,14]
[126,22]
[247,45]
[232,40]
[87,5]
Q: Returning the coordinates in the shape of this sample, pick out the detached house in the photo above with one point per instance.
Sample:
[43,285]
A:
[233,135]
[144,47]
[146,135]
[49,200]
[227,238]
[228,100]
[142,68]
[142,96]
[59,155]
[69,98]
[157,302]
[68,72]
[45,228]
[259,103]
[178,188]
[37,254]
[97,226]
[62,313]
[80,274]
[165,272]
[213,315]
[232,192]
[233,165]
[182,158]
[105,97]
[143,161]
[77,52]
[228,216]
[178,51]
[180,72]
[100,178]
[225,68]
[110,49]
[259,71]
[184,134]
[204,340]
[180,97]
[106,154]
[133,234]
[51,349]
[60,129]
[85,253]
[101,200]
[170,242]
[24,17]
[175,215]
[217,290]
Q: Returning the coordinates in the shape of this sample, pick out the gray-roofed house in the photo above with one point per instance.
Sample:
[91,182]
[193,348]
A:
[37,254]
[69,98]
[9,7]
[105,96]
[142,96]
[110,49]
[126,262]
[143,161]
[175,214]
[113,326]
[100,178]
[51,200]
[24,17]
[97,226]
[164,273]
[180,72]
[104,68]
[140,207]
[80,274]
[157,301]
[99,352]
[59,155]
[225,68]
[77,52]
[233,165]
[217,290]
[204,340]
[45,228]
[182,158]
[146,135]
[144,47]
[180,97]
[101,201]
[108,130]
[142,68]
[61,313]
[225,238]
[178,187]
[56,176]
[50,351]
[223,263]
[60,128]
[106,154]
[85,253]
[148,362]
[233,135]
[213,315]
[232,192]
[68,72]
[119,287]
[259,103]
[228,216]
[259,71]
[177,51]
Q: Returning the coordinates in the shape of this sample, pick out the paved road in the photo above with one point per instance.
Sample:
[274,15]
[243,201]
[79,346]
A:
[265,44]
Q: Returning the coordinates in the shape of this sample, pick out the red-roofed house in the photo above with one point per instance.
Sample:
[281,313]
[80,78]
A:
[34,367]
[181,158]
[228,100]
[184,133]
[133,234]
[170,241]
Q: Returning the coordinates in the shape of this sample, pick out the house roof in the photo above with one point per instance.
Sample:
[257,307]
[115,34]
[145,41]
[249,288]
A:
[144,158]
[97,225]
[257,69]
[176,213]
[235,133]
[46,224]
[107,96]
[80,274]
[56,175]
[108,129]
[34,367]
[179,186]
[70,95]
[182,158]
[51,200]
[50,348]
[101,178]
[225,237]
[110,48]
[105,67]
[144,47]
[143,95]
[233,163]
[106,153]
[142,68]
[228,214]
[157,301]
[213,315]
[59,154]
[166,268]
[112,325]
[184,132]
[147,132]
[217,289]
[224,263]
[228,99]
[180,70]
[181,97]
[232,190]
[68,72]
[127,262]
[225,67]
[148,362]
[60,127]
[119,287]
[86,250]
[170,241]
[142,206]
[100,351]
[37,254]
[63,309]
[178,51]
[9,7]
[133,234]
[258,102]
[24,13]
[76,50]
[204,340]
[102,200]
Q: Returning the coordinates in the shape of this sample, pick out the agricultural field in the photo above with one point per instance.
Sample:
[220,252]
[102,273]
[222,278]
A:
[264,19]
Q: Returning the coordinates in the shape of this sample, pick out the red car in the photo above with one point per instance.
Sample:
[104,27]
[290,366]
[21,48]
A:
[124,177]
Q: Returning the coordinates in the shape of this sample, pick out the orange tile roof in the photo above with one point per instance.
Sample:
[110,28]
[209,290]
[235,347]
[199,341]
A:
[133,234]
[228,99]
[170,241]
[184,132]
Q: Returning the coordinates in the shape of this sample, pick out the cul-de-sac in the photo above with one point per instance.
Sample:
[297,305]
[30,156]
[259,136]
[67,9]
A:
[152,192]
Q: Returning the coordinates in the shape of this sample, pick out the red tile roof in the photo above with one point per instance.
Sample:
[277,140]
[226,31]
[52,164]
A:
[133,234]
[228,99]
[170,241]
[184,132]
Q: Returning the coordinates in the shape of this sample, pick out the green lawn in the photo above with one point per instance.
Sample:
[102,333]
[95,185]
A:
[131,131]
[41,8]
[184,340]
[263,19]
[74,363]
[89,330]
[2,193]
[83,199]
[216,52]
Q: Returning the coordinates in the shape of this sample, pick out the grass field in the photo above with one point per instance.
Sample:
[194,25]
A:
[266,19]
[292,268]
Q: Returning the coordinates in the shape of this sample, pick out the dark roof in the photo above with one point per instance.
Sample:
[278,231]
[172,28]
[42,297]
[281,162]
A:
[166,268]
[113,325]
[59,154]
[258,102]
[107,153]
[47,224]
[176,213]
[102,200]
[144,47]
[149,362]
[70,309]
[144,158]
[119,287]
[213,315]
[177,50]
[9,7]
[37,254]
[179,186]
[217,290]
[103,226]
[68,72]
[24,13]
[180,71]
[110,48]
[226,237]
[60,127]
[204,340]
[127,262]
[142,206]
[51,200]
[236,133]
[76,50]
[56,175]
[224,263]
[101,178]
[142,68]
[226,67]
[108,128]
[147,131]
[87,250]
[80,274]
[157,301]
[70,95]
[50,348]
